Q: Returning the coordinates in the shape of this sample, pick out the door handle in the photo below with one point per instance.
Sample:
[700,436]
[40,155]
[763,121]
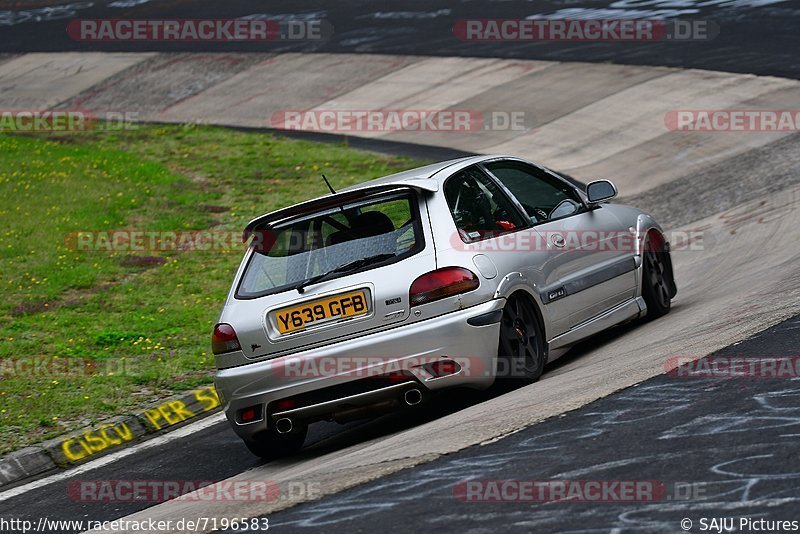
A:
[558,240]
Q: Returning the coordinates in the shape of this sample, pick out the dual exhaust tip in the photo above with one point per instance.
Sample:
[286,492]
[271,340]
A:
[411,397]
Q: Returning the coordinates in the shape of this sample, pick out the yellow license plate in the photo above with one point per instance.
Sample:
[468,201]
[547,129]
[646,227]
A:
[350,304]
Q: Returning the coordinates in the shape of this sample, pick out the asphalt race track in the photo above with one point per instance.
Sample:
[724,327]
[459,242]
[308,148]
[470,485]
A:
[755,36]
[605,411]
[720,448]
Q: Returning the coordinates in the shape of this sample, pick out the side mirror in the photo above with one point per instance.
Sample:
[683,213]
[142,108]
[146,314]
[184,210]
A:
[600,190]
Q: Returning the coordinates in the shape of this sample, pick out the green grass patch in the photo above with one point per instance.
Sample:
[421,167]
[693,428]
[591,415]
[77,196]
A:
[89,334]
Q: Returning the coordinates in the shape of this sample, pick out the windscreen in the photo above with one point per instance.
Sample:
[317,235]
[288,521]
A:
[338,241]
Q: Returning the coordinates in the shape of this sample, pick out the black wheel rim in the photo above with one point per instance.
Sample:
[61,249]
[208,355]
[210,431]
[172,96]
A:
[656,275]
[519,335]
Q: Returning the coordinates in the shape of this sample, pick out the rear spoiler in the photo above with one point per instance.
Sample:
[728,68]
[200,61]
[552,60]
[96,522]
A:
[331,201]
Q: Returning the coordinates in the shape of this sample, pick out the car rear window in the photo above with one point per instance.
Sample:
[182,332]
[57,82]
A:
[376,232]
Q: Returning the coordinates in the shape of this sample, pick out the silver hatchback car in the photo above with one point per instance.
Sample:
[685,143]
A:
[453,274]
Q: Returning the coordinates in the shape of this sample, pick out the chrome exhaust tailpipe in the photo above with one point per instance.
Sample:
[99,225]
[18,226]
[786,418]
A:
[412,397]
[283,426]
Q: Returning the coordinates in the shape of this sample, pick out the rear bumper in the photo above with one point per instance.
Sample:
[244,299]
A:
[456,336]
[351,407]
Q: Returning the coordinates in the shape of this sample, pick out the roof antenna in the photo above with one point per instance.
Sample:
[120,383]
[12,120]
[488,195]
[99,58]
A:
[329,185]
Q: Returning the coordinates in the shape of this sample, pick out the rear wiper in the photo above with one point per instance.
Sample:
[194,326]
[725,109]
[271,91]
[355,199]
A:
[350,266]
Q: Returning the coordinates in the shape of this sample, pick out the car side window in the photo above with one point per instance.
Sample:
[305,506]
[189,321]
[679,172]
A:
[544,197]
[479,207]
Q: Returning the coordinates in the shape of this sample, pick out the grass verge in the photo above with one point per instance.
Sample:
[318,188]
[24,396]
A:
[88,334]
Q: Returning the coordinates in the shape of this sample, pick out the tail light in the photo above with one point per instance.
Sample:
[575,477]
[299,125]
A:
[224,339]
[442,283]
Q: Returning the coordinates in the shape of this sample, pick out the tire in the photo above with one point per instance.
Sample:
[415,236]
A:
[521,353]
[657,280]
[270,445]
